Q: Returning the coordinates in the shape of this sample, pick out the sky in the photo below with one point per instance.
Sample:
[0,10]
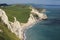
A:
[51,2]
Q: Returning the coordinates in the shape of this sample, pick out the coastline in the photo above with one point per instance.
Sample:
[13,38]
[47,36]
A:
[20,28]
[30,26]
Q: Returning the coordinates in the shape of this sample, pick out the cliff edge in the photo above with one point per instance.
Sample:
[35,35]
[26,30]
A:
[17,27]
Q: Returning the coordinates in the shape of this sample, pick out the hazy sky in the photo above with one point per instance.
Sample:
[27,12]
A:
[53,2]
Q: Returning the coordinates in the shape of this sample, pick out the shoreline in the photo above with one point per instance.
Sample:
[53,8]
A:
[28,28]
[42,16]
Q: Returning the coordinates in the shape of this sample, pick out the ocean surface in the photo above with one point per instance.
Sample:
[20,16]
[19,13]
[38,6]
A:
[48,29]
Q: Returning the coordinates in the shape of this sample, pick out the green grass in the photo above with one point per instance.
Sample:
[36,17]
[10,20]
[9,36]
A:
[22,13]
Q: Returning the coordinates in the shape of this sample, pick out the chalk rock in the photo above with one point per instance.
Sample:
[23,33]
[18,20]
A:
[4,18]
[40,15]
[17,28]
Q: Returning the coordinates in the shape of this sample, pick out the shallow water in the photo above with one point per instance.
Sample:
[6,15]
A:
[48,29]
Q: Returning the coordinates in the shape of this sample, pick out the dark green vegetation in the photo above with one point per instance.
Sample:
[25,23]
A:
[21,12]
[6,34]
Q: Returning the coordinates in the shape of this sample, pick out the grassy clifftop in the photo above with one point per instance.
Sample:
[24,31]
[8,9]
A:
[21,12]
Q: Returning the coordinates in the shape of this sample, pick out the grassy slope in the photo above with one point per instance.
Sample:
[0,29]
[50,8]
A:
[20,12]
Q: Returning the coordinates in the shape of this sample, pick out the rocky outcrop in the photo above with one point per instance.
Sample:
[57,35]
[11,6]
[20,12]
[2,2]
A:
[19,28]
[41,15]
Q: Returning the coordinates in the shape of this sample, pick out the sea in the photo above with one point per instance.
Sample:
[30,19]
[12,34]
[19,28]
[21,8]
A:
[47,29]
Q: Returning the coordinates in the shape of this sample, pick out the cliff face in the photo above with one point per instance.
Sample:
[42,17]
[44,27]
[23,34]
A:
[4,18]
[40,15]
[19,28]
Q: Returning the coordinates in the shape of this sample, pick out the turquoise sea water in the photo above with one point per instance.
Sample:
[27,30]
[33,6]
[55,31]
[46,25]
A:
[48,29]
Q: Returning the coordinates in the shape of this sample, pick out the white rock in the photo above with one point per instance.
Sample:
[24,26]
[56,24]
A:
[40,15]
[4,18]
[1,30]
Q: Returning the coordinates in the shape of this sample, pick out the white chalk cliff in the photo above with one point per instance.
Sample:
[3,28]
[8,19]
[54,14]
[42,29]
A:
[19,28]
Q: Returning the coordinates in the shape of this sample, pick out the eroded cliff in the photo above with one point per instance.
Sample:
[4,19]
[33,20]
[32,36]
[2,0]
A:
[19,28]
